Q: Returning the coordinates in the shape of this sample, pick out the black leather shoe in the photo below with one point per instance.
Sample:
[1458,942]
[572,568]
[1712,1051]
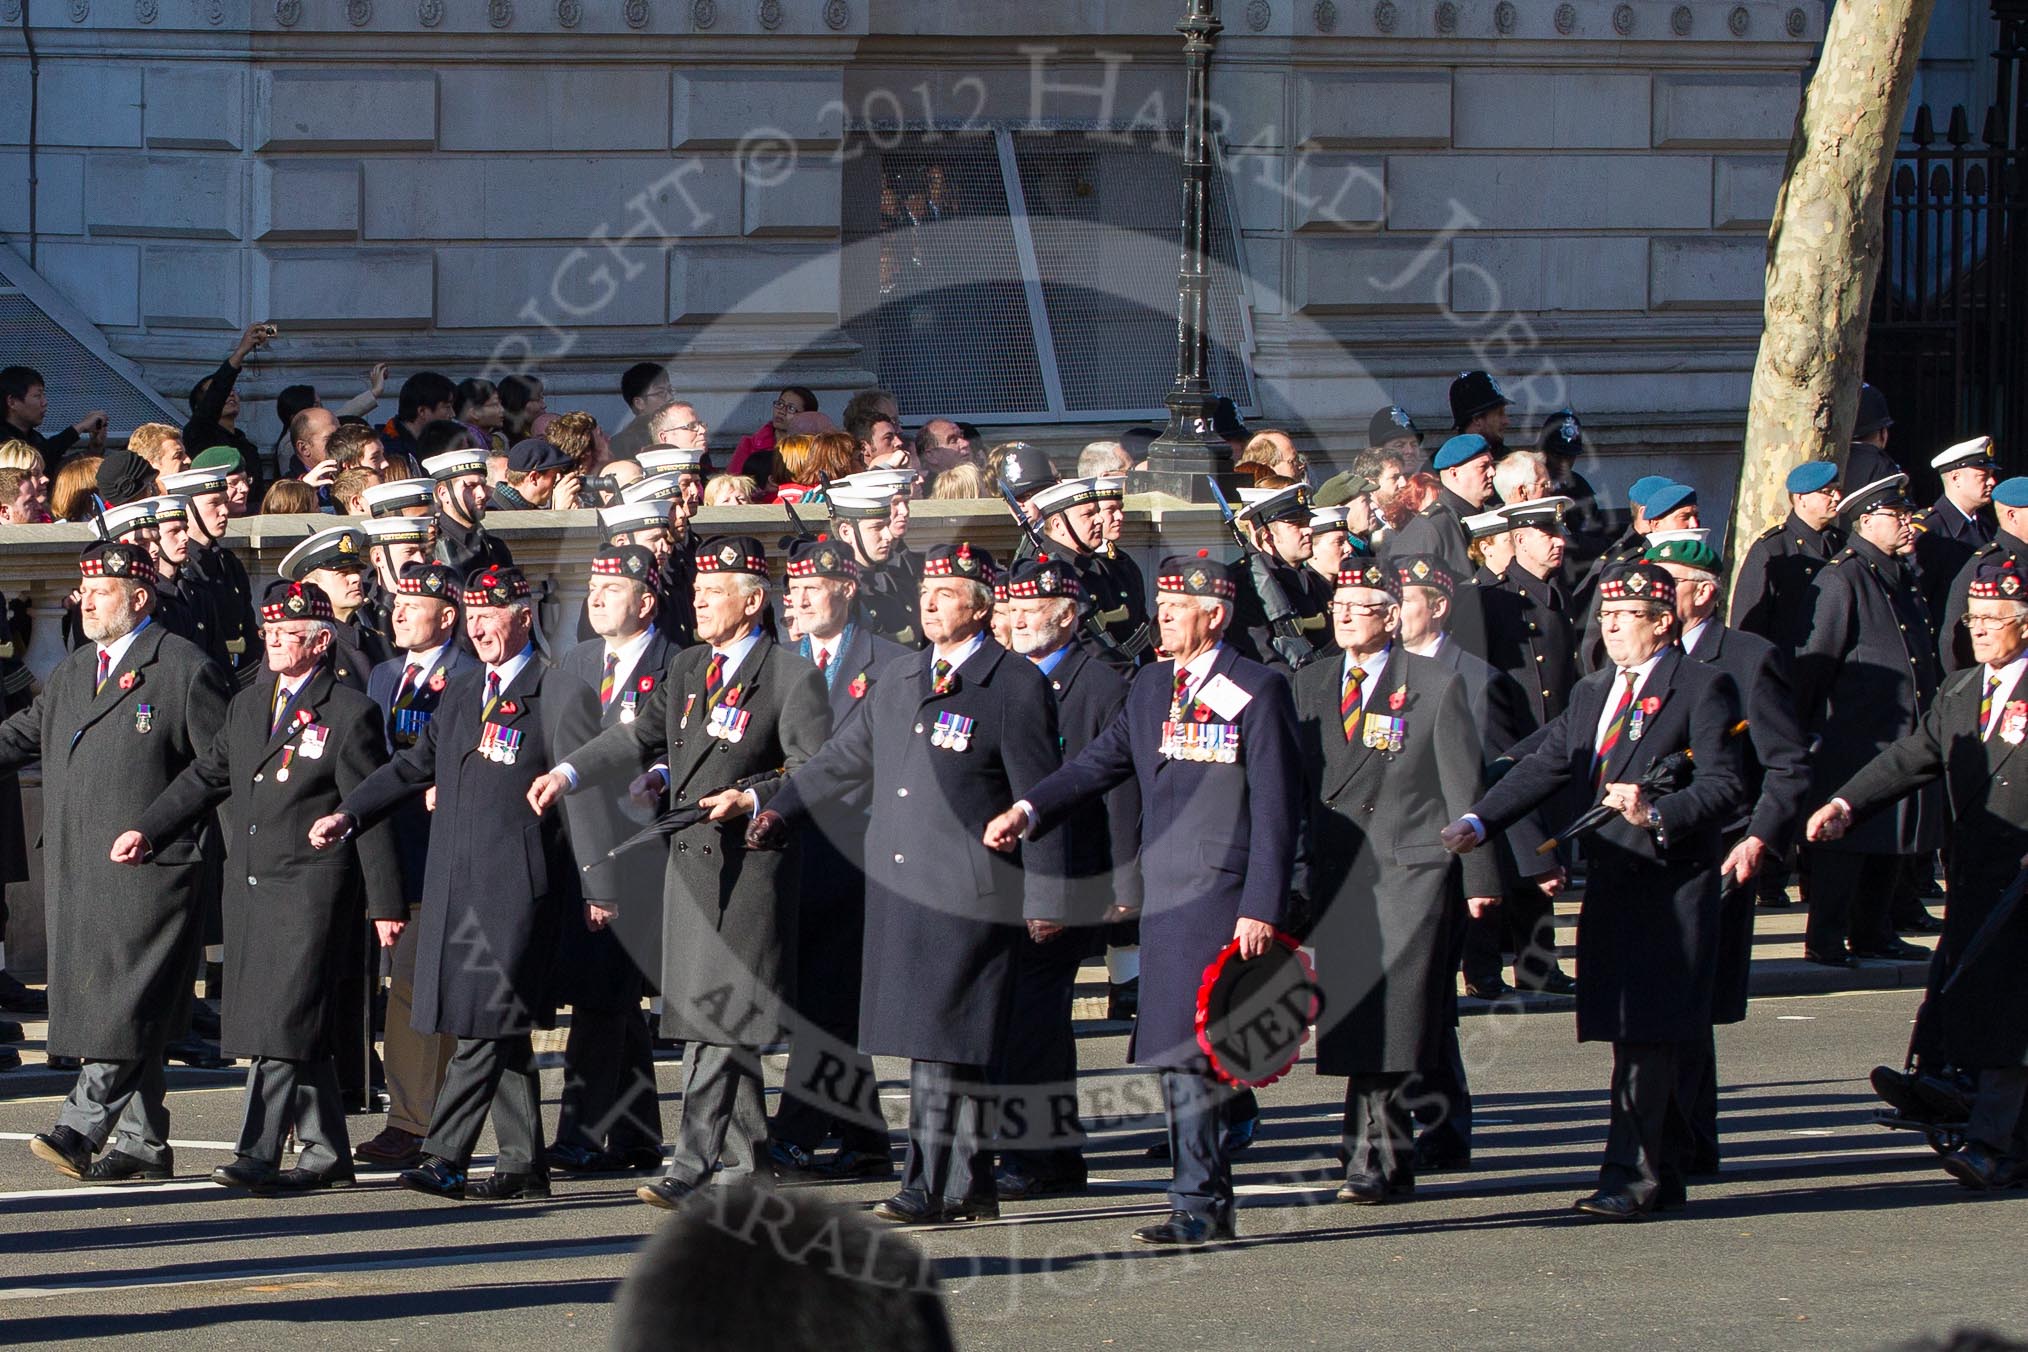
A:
[1943,1097]
[64,1062]
[292,1181]
[1827,957]
[1779,903]
[435,1176]
[393,1148]
[1555,982]
[1673,1194]
[16,998]
[858,1164]
[791,1160]
[67,1150]
[1898,1092]
[1495,989]
[1922,924]
[499,1187]
[9,1058]
[575,1159]
[959,1210]
[641,1157]
[1123,1001]
[243,1173]
[1982,1169]
[1240,1135]
[1186,1228]
[1015,1185]
[666,1193]
[1893,950]
[117,1166]
[196,1053]
[1610,1206]
[908,1207]
[1364,1190]
[11,1031]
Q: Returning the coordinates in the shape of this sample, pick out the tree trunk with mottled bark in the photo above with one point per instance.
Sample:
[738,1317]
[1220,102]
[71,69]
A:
[1824,251]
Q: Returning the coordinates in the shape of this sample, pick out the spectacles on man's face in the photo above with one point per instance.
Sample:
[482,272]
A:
[1980,624]
[1361,607]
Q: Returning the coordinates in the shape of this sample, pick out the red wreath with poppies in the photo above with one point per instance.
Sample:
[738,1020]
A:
[1230,953]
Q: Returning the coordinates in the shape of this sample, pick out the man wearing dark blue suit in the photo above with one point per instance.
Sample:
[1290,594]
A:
[1220,840]
[1758,833]
[1647,936]
[407,687]
[610,1118]
[1959,524]
[829,1087]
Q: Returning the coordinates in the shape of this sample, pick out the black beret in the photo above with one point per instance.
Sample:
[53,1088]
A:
[1196,575]
[627,561]
[733,554]
[286,600]
[821,556]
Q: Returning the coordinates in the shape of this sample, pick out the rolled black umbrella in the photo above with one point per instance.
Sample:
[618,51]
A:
[1666,775]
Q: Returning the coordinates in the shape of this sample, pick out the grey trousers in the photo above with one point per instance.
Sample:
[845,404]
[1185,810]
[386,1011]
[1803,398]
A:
[724,1125]
[949,1133]
[124,1100]
[299,1094]
[414,1062]
[496,1077]
[1996,1109]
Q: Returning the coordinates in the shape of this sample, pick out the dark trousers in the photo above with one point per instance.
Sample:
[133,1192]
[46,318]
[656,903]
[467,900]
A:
[948,1159]
[415,1062]
[1996,1110]
[1379,1134]
[1524,923]
[124,1101]
[1697,1093]
[493,1076]
[1201,1178]
[722,1133]
[609,1097]
[1647,1137]
[1040,1134]
[829,1088]
[1438,1094]
[294,1095]
[1850,897]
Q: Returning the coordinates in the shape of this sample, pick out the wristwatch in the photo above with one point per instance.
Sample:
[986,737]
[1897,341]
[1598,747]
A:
[1655,820]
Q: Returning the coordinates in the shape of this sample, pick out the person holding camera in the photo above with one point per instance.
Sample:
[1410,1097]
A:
[539,474]
[214,403]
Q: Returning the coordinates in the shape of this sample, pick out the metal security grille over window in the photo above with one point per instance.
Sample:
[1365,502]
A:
[1001,275]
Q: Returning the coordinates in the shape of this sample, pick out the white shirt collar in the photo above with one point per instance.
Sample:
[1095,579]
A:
[1693,633]
[1433,646]
[426,658]
[117,650]
[831,645]
[1373,666]
[962,653]
[509,670]
[1198,667]
[1645,669]
[735,653]
[2003,693]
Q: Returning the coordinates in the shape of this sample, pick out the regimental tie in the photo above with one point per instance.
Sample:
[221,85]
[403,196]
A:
[606,681]
[411,676]
[105,670]
[1986,705]
[1615,729]
[823,659]
[1180,704]
[940,677]
[1350,703]
[714,677]
[282,697]
[492,693]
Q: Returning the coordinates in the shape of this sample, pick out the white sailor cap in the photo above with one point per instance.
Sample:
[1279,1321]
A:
[1977,451]
[381,499]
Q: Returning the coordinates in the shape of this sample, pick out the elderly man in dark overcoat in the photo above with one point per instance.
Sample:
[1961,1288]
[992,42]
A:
[610,1117]
[1042,1145]
[294,743]
[1863,679]
[1648,933]
[1391,755]
[734,708]
[1211,738]
[829,1086]
[499,885]
[1777,770]
[119,718]
[1969,742]
[946,739]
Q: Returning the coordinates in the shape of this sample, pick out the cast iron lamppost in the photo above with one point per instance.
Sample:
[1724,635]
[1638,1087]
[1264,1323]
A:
[1189,449]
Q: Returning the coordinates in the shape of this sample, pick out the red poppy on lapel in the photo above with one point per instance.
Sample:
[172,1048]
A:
[1396,700]
[1651,705]
[647,683]
[437,682]
[510,708]
[129,680]
[302,717]
[858,687]
[731,700]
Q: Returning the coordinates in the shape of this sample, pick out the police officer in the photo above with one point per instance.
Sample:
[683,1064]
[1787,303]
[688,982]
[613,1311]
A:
[1864,679]
[1777,780]
[610,1117]
[1479,408]
[1219,827]
[2010,540]
[1958,524]
[1390,756]
[214,573]
[462,539]
[1977,1018]
[408,688]
[1646,935]
[497,884]
[294,742]
[1774,591]
[829,1086]
[1866,459]
[117,720]
[947,739]
[885,606]
[1277,522]
[335,559]
[1042,1146]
